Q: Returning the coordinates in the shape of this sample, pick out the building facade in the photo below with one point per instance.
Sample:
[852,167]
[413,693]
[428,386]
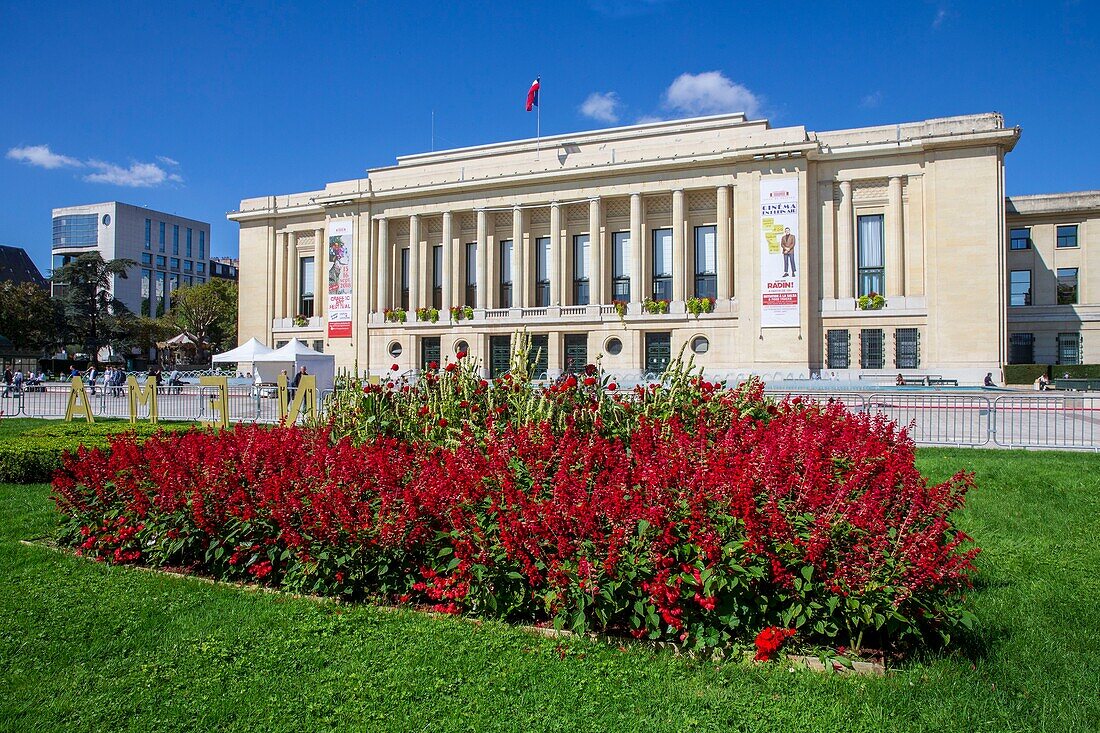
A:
[170,251]
[1054,278]
[225,268]
[602,245]
[17,267]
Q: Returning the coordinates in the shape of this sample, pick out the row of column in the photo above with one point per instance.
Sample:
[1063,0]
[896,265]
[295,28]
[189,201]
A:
[846,244]
[287,269]
[523,255]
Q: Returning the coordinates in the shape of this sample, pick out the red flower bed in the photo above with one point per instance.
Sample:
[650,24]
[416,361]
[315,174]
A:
[702,531]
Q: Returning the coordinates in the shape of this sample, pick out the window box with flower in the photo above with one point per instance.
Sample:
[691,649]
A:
[696,306]
[649,305]
[428,314]
[461,313]
[301,321]
[871,302]
[395,315]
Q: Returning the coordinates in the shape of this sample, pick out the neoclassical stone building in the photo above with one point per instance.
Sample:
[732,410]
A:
[579,238]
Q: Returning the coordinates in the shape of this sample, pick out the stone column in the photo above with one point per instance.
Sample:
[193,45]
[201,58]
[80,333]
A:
[555,254]
[278,285]
[595,253]
[482,258]
[895,261]
[828,241]
[319,280]
[845,246]
[414,264]
[448,265]
[637,244]
[723,244]
[519,260]
[292,274]
[679,246]
[385,286]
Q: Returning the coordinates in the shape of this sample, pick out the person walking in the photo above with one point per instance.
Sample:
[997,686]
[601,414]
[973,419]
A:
[296,382]
[92,374]
[7,382]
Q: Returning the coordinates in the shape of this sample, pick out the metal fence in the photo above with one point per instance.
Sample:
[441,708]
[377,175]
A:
[1061,420]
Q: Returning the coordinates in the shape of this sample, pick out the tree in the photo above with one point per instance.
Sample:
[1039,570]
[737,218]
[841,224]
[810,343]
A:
[31,320]
[95,317]
[208,312]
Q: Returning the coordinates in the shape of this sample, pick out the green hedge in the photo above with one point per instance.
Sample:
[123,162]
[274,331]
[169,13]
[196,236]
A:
[1025,373]
[1077,371]
[33,456]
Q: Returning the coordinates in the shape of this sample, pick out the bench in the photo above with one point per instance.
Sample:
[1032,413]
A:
[1076,385]
[941,382]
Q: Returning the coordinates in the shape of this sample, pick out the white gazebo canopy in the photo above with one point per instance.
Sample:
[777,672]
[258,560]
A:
[293,357]
[244,355]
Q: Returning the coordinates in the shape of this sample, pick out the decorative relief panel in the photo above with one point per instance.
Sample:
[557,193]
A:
[577,212]
[503,219]
[617,208]
[702,200]
[540,215]
[658,205]
[466,221]
[433,224]
[399,227]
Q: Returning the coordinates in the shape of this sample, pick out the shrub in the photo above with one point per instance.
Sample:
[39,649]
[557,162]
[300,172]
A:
[701,531]
[697,306]
[1024,373]
[395,315]
[871,302]
[427,314]
[656,307]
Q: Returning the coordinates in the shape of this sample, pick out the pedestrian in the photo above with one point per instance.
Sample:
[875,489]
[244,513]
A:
[92,374]
[297,381]
[989,380]
[17,381]
[8,377]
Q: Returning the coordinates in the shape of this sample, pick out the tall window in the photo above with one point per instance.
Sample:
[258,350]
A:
[306,281]
[160,238]
[161,304]
[146,282]
[836,356]
[706,262]
[620,266]
[148,235]
[405,278]
[907,348]
[471,274]
[1019,287]
[871,350]
[1069,348]
[1019,238]
[662,264]
[437,277]
[506,250]
[173,286]
[202,245]
[581,264]
[76,230]
[871,255]
[542,272]
[175,239]
[1067,285]
[188,250]
[1067,236]
[1021,348]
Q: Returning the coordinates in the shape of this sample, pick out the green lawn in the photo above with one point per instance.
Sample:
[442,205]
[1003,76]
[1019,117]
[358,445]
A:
[89,647]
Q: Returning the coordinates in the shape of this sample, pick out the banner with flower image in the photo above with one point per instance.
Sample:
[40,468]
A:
[341,234]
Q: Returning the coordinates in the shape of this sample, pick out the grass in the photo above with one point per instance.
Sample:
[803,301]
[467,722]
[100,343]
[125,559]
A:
[86,646]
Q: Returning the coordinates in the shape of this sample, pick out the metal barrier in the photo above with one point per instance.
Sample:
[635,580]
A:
[1054,420]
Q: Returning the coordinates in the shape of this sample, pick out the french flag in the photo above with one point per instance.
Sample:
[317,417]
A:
[533,94]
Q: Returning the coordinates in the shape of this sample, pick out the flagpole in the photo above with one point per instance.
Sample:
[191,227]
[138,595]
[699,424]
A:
[538,124]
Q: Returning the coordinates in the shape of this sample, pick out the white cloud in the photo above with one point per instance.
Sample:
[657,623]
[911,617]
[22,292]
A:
[42,157]
[870,101]
[168,161]
[602,106]
[708,93]
[646,119]
[941,15]
[138,175]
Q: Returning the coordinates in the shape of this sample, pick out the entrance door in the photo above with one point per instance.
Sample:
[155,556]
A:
[658,352]
[500,354]
[576,352]
[429,352]
[538,357]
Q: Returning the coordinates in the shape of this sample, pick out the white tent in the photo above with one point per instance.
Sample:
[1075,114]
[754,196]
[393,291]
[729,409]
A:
[244,355]
[292,357]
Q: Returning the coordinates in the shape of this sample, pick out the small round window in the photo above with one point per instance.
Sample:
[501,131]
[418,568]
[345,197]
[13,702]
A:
[461,347]
[395,349]
[613,346]
[700,345]
[106,220]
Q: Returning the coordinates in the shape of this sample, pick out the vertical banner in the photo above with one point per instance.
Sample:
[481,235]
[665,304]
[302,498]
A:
[340,237]
[779,243]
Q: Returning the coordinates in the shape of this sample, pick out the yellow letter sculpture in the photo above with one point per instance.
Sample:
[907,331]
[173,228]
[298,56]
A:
[140,395]
[220,404]
[77,394]
[305,396]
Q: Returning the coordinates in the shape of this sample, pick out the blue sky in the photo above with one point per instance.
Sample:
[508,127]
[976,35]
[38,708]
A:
[190,107]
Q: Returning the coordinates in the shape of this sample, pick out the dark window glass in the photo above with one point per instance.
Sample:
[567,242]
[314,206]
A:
[471,274]
[306,286]
[175,239]
[837,351]
[160,261]
[148,234]
[872,255]
[907,348]
[1067,285]
[202,245]
[1019,238]
[1019,287]
[188,250]
[146,258]
[620,266]
[429,352]
[576,352]
[871,348]
[76,230]
[405,278]
[505,273]
[160,237]
[1067,236]
[500,355]
[662,264]
[706,262]
[175,263]
[538,358]
[1069,348]
[437,277]
[658,352]
[542,272]
[581,264]
[1021,348]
